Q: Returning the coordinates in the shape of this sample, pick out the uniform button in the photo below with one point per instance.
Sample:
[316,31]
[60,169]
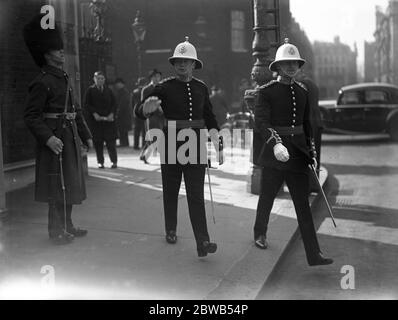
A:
[189,93]
[294,98]
[294,109]
[294,103]
[190,103]
[190,119]
[190,98]
[294,115]
[292,126]
[294,121]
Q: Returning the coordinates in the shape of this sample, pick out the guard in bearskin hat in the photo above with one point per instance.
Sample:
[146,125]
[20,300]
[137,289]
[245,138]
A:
[59,128]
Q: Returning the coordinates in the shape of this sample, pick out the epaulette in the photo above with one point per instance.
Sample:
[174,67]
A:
[268,84]
[302,85]
[167,80]
[200,81]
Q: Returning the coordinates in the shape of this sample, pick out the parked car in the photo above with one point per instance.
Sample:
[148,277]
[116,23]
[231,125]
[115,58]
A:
[239,120]
[363,108]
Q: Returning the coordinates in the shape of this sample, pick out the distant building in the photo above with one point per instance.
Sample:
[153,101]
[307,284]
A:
[386,44]
[335,66]
[370,74]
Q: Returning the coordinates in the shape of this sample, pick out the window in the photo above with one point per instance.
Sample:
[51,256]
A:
[238,31]
[376,96]
[352,97]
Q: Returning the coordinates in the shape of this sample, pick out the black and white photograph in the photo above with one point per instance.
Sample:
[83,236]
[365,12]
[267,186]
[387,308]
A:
[199,156]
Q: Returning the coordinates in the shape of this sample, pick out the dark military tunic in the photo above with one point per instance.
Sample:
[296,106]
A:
[279,108]
[47,94]
[187,101]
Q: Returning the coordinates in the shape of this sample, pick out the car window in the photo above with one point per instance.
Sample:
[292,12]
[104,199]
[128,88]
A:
[376,96]
[351,97]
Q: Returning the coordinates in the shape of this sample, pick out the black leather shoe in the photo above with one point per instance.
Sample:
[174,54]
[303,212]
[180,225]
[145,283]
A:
[101,166]
[206,247]
[113,166]
[320,260]
[261,242]
[76,232]
[61,238]
[171,237]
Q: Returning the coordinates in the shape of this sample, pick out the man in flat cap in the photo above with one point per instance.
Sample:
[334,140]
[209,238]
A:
[59,128]
[184,101]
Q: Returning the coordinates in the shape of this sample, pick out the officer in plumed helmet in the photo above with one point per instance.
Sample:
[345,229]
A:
[59,128]
[184,101]
[282,122]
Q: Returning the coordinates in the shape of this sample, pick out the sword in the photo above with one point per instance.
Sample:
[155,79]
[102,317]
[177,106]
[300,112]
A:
[323,193]
[211,193]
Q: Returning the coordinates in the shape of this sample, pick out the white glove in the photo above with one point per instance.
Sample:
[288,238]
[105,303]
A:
[151,105]
[281,153]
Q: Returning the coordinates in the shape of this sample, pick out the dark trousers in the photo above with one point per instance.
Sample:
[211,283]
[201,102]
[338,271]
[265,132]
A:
[194,176]
[110,146]
[139,131]
[297,182]
[57,218]
[124,138]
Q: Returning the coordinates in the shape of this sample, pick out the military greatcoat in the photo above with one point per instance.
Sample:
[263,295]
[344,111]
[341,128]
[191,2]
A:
[47,95]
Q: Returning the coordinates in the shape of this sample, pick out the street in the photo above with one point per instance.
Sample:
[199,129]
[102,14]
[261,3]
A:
[363,186]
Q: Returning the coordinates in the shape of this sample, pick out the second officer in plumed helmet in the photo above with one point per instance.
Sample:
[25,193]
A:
[282,121]
[184,101]
[58,126]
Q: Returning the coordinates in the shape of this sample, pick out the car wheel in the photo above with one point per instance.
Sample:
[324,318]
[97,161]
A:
[393,127]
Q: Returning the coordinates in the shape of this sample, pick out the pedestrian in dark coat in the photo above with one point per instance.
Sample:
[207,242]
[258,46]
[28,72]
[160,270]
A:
[59,128]
[220,107]
[282,119]
[185,103]
[156,121]
[123,119]
[139,124]
[101,107]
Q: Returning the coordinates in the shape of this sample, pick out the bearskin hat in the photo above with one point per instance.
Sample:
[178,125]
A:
[40,41]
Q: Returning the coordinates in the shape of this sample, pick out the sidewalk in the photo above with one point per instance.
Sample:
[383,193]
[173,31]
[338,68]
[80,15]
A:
[125,255]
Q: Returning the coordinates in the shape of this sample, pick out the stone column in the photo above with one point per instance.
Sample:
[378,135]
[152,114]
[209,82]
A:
[266,41]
